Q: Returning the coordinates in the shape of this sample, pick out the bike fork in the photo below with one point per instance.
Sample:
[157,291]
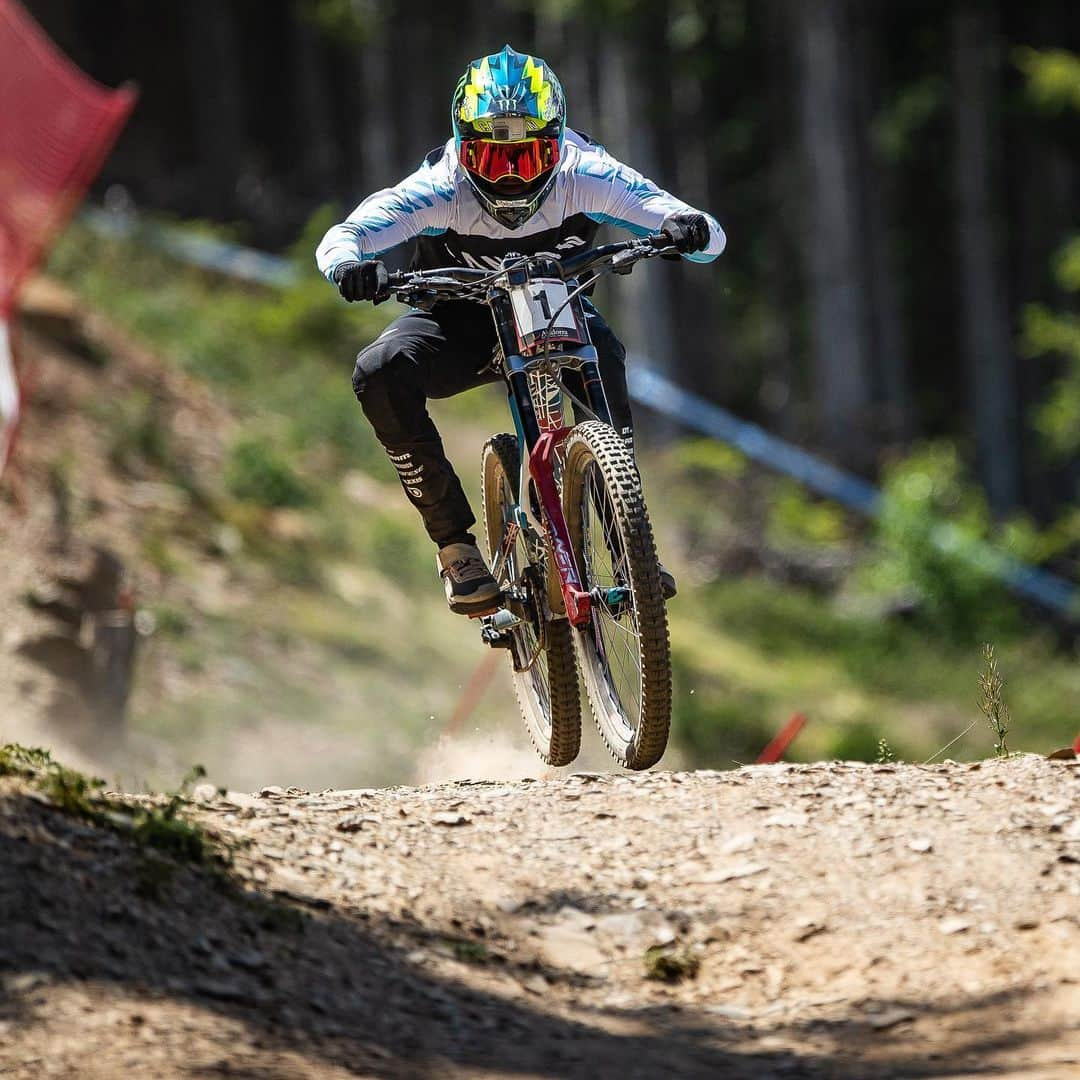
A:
[577,600]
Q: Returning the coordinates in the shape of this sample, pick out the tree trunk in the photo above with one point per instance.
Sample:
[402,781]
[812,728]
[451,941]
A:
[989,360]
[890,386]
[838,299]
[782,395]
[381,164]
[218,93]
[644,312]
[316,139]
[701,361]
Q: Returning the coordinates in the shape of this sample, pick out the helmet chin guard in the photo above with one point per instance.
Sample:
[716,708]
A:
[511,210]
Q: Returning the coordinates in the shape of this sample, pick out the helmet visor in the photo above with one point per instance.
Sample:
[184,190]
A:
[493,161]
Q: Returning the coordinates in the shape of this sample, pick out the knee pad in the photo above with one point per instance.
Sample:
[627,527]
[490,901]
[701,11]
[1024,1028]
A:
[374,363]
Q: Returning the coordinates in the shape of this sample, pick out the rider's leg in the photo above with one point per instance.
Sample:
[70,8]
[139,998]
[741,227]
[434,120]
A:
[611,357]
[419,356]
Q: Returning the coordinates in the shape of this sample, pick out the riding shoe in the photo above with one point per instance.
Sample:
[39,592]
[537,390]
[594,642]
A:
[470,588]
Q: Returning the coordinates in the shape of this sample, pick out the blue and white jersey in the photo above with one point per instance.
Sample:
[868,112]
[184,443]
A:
[436,209]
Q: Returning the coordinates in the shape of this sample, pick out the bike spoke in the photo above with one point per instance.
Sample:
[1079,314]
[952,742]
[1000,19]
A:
[517,560]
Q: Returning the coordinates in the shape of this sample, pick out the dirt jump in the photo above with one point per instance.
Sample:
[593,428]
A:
[833,920]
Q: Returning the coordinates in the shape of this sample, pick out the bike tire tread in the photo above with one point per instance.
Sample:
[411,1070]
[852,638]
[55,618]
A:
[563,691]
[619,470]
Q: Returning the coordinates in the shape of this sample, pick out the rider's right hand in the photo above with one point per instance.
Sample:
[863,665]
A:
[363,281]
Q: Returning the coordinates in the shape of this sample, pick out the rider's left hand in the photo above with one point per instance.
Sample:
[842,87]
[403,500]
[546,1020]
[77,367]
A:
[689,232]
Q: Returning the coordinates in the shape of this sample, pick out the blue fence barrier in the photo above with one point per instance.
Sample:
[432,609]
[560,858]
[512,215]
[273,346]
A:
[657,392]
[649,388]
[232,260]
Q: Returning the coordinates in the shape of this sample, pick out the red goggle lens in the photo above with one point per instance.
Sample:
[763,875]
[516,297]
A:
[493,161]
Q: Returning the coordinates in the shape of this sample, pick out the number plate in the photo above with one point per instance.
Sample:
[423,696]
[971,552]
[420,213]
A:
[534,304]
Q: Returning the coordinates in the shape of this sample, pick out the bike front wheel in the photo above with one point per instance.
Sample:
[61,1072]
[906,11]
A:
[545,671]
[624,651]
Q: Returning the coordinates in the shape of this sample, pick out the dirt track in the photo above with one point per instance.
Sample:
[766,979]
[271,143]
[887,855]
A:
[848,921]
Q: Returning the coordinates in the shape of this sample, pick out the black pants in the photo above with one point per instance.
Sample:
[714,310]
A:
[438,354]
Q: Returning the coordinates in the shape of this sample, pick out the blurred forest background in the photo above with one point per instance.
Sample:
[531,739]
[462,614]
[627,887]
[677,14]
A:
[895,177]
[900,187]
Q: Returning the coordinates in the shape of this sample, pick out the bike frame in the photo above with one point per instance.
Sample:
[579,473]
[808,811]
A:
[539,444]
[539,447]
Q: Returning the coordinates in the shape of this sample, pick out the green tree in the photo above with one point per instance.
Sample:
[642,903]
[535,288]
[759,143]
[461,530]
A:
[1053,78]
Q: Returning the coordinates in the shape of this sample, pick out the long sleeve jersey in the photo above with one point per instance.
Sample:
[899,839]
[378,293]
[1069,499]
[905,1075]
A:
[436,209]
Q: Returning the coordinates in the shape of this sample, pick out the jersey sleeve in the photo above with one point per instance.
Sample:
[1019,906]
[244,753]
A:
[418,206]
[612,193]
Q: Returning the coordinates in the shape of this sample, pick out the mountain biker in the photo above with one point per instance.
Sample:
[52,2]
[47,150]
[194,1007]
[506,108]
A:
[513,178]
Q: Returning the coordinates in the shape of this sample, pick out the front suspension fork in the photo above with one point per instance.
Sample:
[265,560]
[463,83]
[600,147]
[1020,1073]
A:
[576,599]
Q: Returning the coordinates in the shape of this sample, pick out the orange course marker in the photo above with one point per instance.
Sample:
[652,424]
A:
[777,748]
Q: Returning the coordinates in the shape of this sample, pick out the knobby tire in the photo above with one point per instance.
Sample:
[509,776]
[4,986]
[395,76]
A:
[600,468]
[554,726]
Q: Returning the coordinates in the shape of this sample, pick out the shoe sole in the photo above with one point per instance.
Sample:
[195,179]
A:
[478,607]
[480,614]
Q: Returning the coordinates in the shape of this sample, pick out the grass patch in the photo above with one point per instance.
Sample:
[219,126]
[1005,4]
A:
[470,952]
[256,472]
[665,964]
[161,829]
[23,760]
[885,755]
[280,354]
[992,702]
[754,651]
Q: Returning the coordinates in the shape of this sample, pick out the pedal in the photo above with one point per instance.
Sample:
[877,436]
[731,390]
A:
[497,626]
[492,637]
[501,619]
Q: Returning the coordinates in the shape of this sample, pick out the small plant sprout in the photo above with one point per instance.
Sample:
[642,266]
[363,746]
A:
[992,703]
[667,965]
[885,754]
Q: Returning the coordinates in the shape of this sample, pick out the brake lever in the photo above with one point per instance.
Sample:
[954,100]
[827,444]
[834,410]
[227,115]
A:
[623,263]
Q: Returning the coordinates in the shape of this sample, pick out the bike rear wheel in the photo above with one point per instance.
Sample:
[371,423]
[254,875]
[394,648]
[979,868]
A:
[624,652]
[547,691]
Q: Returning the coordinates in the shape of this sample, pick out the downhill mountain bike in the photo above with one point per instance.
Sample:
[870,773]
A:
[567,530]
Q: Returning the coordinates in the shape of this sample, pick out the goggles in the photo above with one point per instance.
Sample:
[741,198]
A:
[494,160]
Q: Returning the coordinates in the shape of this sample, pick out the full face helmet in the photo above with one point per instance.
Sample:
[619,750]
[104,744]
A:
[509,119]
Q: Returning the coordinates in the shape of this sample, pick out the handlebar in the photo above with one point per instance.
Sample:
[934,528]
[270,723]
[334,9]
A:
[465,281]
[644,248]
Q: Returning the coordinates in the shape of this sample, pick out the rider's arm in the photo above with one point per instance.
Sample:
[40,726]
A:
[612,193]
[388,219]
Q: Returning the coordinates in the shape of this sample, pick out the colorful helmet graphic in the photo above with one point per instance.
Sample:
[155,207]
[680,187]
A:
[509,119]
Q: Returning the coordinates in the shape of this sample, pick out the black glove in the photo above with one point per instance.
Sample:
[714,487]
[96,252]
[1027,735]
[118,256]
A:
[363,281]
[689,232]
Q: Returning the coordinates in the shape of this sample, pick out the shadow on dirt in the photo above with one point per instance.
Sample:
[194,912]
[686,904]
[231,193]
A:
[338,986]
